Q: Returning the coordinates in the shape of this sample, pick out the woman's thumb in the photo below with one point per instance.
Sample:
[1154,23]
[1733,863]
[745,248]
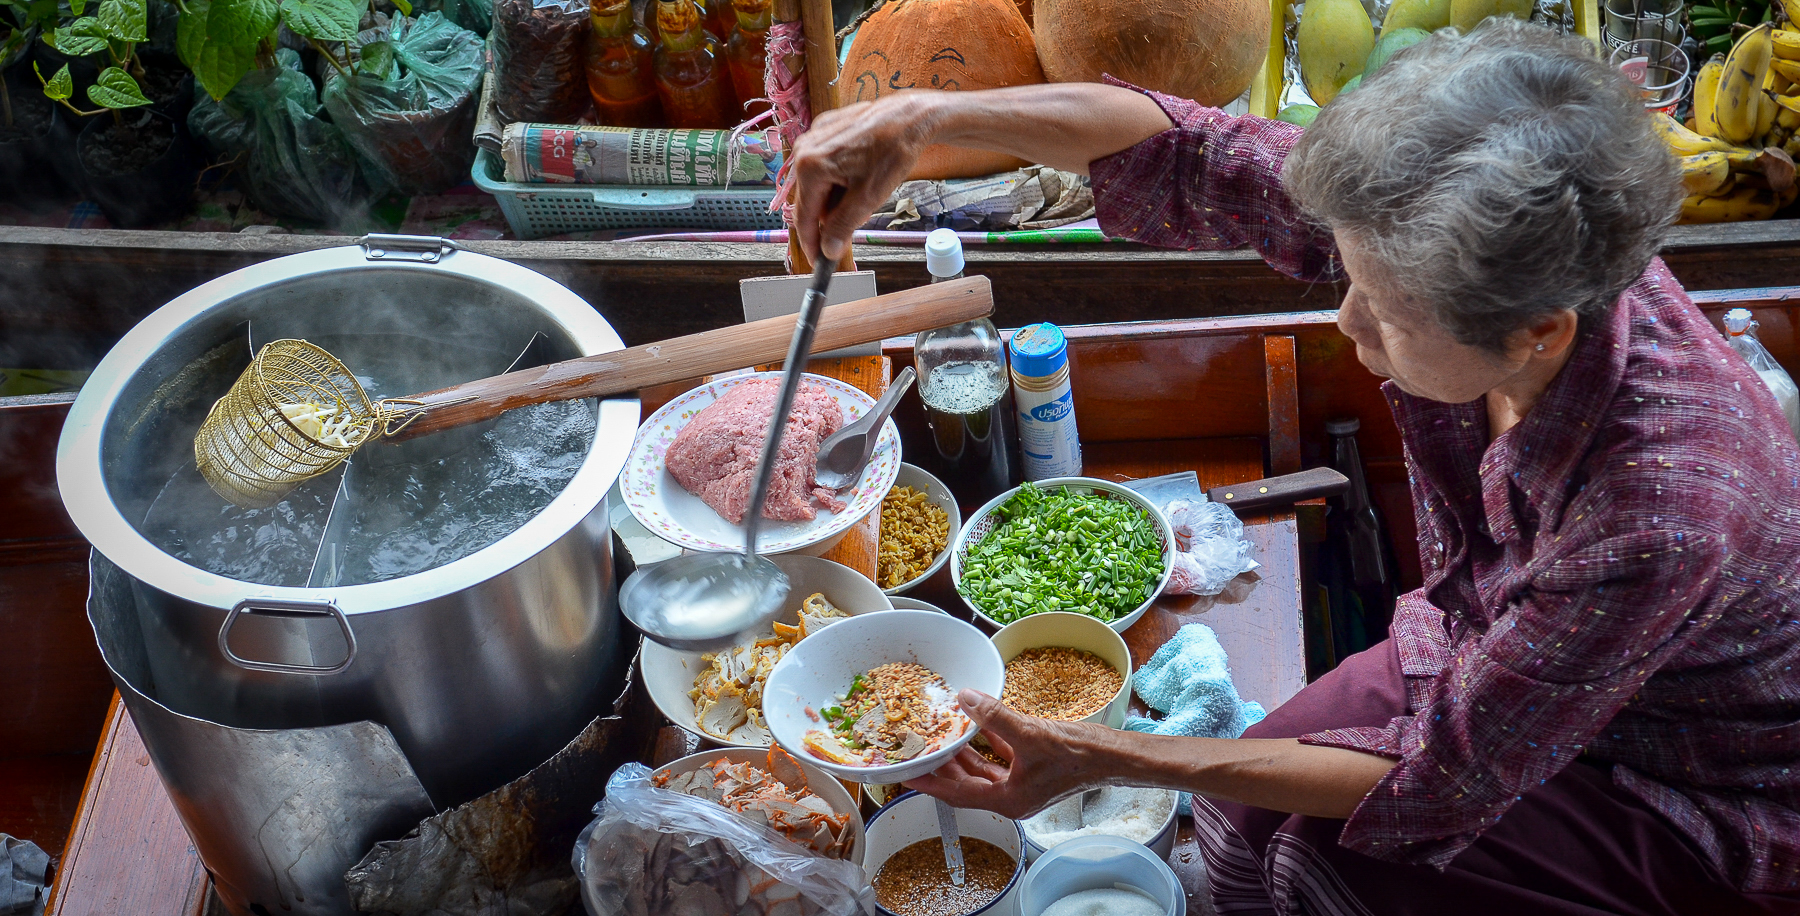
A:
[984,709]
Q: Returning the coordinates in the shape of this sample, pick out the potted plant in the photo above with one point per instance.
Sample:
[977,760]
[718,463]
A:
[30,126]
[137,164]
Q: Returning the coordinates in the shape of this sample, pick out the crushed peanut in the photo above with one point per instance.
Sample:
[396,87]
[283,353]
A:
[914,530]
[1055,682]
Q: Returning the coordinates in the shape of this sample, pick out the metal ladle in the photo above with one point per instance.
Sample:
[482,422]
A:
[702,601]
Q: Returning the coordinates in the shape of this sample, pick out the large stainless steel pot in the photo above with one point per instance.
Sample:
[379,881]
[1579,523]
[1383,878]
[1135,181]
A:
[481,668]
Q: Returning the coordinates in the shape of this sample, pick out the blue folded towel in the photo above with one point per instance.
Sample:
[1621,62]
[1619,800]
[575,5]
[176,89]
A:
[1189,681]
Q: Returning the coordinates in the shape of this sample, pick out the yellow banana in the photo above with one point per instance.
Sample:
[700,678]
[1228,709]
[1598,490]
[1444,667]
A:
[1786,44]
[1685,142]
[1741,204]
[1705,173]
[1789,103]
[1787,68]
[1787,117]
[1739,106]
[1706,94]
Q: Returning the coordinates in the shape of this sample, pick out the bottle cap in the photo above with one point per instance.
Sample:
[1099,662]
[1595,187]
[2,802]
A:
[1038,350]
[1737,321]
[1343,426]
[943,253]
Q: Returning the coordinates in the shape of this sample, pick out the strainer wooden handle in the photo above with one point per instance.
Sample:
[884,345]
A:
[753,343]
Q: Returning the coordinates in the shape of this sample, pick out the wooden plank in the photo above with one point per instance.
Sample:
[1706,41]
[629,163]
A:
[1281,373]
[869,374]
[128,852]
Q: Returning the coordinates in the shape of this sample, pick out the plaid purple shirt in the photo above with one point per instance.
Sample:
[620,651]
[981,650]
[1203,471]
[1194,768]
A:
[1613,577]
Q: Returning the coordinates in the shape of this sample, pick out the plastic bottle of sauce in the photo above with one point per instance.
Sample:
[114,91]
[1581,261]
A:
[620,68]
[1048,440]
[968,402]
[746,52]
[708,17]
[690,74]
[1740,332]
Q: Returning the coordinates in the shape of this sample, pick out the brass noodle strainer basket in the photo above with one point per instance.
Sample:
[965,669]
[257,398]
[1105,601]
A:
[293,415]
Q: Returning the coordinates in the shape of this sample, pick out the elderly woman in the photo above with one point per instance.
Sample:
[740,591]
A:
[1591,706]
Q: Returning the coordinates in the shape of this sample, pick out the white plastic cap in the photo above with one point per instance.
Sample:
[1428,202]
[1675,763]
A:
[943,253]
[1737,321]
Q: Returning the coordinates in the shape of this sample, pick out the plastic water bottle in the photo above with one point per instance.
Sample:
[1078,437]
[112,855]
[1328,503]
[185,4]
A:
[1048,440]
[1740,332]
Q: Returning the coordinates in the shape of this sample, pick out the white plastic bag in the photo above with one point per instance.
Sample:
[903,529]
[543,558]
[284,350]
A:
[1740,332]
[1210,549]
[654,851]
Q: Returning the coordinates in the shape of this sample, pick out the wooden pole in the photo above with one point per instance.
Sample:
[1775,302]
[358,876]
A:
[819,66]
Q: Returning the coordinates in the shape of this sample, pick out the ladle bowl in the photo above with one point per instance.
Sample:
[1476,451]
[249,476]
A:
[704,601]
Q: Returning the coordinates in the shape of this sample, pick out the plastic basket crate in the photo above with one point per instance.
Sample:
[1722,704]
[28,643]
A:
[538,210]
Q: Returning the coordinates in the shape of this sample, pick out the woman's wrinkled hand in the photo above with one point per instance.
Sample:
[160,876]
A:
[1049,761]
[866,149]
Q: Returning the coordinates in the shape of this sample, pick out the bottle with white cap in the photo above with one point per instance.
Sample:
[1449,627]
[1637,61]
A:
[968,403]
[1048,439]
[1740,332]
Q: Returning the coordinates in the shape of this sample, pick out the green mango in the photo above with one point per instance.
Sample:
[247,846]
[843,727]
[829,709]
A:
[1335,40]
[1355,81]
[1392,42]
[1467,14]
[1302,115]
[1429,15]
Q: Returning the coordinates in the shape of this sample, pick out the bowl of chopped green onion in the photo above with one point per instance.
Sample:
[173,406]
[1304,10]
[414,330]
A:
[1076,544]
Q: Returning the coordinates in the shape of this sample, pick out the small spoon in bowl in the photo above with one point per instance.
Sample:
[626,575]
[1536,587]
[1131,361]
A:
[844,455]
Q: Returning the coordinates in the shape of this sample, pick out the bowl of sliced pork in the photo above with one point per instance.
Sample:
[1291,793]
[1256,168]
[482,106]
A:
[690,471]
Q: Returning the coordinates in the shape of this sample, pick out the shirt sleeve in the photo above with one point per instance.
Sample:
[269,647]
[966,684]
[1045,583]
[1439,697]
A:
[1212,182]
[1517,704]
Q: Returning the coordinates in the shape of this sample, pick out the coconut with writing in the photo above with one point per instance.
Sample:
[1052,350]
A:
[1205,50]
[942,44]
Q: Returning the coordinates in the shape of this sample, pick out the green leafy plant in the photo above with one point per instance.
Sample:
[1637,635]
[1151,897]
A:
[1715,26]
[20,21]
[221,40]
[116,29]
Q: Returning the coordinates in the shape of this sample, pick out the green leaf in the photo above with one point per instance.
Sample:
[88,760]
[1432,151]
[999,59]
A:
[80,38]
[218,39]
[125,20]
[78,6]
[377,59]
[116,89]
[323,20]
[61,87]
[405,7]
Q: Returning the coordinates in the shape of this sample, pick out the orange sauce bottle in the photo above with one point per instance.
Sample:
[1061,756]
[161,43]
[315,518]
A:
[721,19]
[620,68]
[690,71]
[746,52]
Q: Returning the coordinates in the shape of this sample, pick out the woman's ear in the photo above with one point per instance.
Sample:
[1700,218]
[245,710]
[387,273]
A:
[1548,337]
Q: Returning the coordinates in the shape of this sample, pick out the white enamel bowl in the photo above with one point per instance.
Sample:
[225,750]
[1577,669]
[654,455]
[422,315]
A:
[821,784]
[1073,631]
[819,669]
[1161,844]
[912,818]
[669,673]
[983,521]
[670,512]
[939,495]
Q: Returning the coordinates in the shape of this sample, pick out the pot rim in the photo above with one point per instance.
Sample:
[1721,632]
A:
[82,482]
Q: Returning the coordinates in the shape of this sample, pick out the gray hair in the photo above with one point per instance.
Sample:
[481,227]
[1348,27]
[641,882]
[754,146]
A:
[1502,176]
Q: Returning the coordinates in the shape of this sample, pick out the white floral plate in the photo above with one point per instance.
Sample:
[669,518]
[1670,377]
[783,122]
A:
[670,512]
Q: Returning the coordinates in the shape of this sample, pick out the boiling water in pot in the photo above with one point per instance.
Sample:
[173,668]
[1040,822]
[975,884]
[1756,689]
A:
[413,510]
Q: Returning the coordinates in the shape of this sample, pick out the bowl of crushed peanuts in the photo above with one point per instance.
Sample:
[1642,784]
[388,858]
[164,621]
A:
[919,522]
[1068,667]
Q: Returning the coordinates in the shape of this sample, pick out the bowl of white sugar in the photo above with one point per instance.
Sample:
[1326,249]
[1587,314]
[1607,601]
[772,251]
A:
[1144,816]
[1101,876]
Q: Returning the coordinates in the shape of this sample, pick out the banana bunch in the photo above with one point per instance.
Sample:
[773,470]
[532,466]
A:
[1737,154]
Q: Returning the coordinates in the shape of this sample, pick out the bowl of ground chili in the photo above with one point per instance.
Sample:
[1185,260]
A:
[1067,667]
[904,860]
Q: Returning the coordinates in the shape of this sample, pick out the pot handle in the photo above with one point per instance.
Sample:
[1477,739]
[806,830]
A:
[270,607]
[426,248]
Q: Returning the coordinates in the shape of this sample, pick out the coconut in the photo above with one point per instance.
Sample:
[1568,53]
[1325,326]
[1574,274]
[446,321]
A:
[1205,50]
[942,44]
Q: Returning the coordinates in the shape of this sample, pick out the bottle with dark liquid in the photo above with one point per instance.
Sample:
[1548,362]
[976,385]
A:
[746,52]
[967,393]
[690,72]
[722,18]
[620,64]
[1361,575]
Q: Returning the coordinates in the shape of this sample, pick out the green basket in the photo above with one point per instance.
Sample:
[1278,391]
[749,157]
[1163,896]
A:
[538,210]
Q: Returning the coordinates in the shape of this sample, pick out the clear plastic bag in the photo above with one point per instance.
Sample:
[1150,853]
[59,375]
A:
[1740,332]
[1210,547]
[412,124]
[540,63]
[293,162]
[653,851]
